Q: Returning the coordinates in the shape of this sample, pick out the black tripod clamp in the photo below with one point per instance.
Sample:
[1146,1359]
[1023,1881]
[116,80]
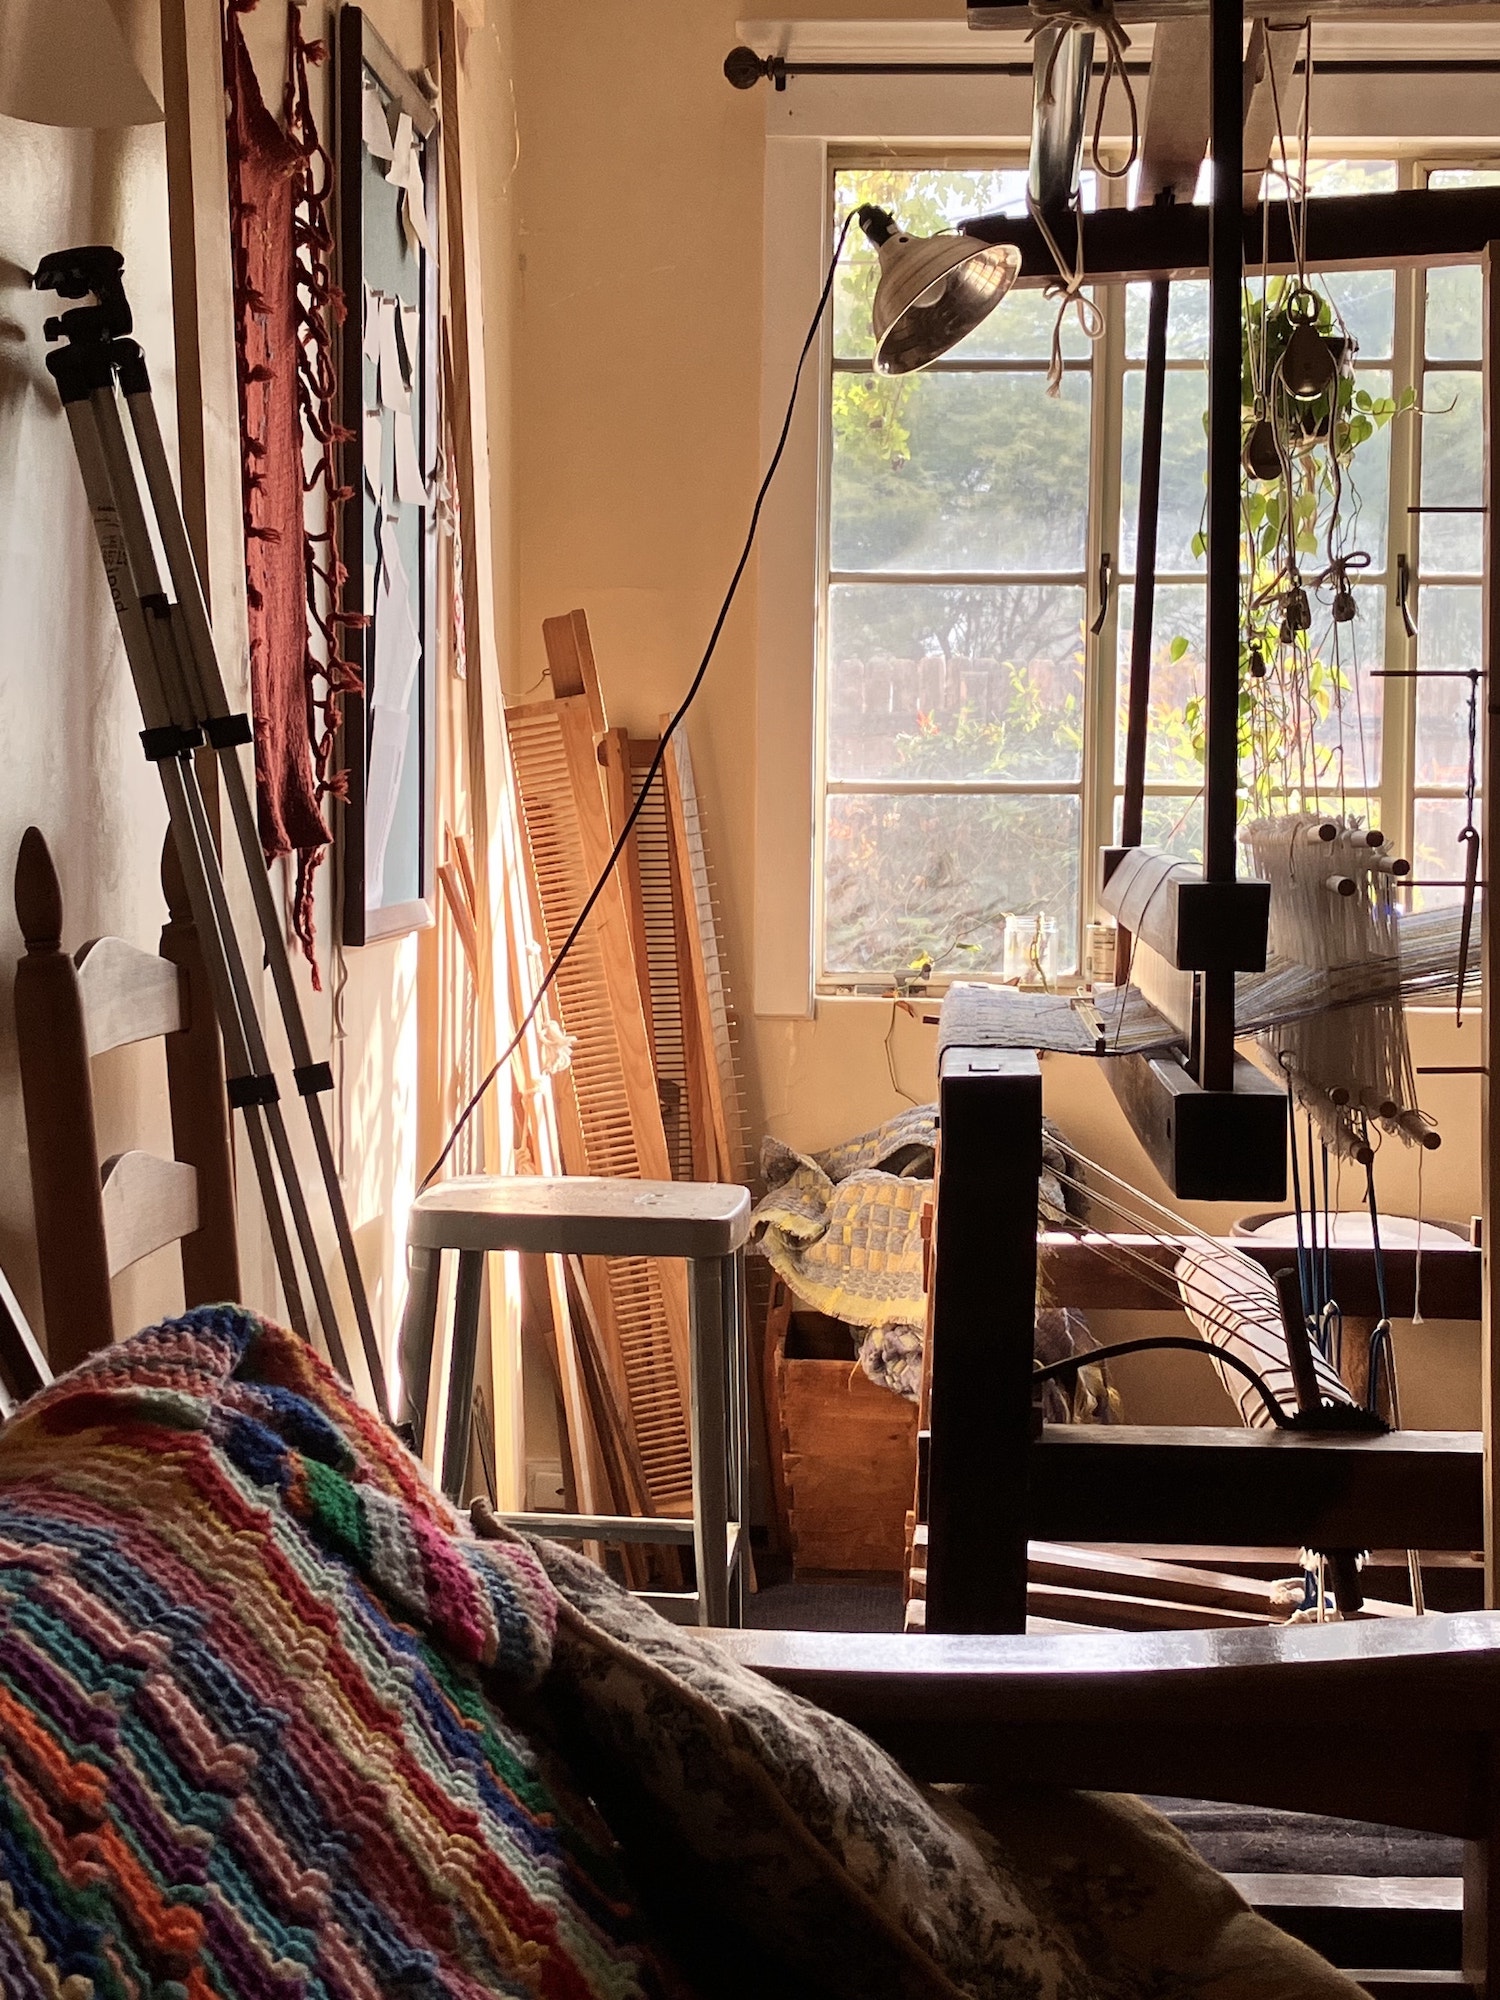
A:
[99,348]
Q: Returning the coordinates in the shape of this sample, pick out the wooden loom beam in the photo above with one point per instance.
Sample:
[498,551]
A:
[1079,1270]
[1017,14]
[1344,233]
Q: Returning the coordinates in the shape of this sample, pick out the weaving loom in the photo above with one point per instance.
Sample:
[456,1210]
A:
[1305,952]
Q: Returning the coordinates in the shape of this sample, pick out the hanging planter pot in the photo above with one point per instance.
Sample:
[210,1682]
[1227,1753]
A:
[1308,369]
[1261,455]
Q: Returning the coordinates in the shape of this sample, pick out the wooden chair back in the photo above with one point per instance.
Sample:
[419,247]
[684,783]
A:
[94,1220]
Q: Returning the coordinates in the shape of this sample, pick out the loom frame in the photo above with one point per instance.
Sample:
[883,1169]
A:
[980,1513]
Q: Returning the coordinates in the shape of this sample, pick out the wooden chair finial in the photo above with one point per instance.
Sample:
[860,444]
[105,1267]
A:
[38,893]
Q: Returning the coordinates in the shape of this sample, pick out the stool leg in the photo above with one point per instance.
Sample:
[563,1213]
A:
[710,1439]
[418,1332]
[466,1299]
[732,1271]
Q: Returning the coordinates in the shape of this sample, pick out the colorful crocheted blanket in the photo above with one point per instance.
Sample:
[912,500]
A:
[246,1746]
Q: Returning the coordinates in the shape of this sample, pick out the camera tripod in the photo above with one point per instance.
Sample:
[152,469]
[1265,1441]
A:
[170,650]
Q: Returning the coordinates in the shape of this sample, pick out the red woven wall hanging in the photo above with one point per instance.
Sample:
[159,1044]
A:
[286,306]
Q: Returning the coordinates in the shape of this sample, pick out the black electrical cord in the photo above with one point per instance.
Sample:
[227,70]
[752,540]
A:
[661,749]
[1350,1418]
[1071,1364]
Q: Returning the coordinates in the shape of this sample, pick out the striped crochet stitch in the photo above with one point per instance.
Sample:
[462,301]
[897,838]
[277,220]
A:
[249,1735]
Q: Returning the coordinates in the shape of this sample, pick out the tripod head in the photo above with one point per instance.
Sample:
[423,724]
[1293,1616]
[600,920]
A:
[94,270]
[97,335]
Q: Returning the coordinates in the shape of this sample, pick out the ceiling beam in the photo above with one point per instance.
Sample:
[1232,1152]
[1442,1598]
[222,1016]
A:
[1007,14]
[1344,232]
[1174,129]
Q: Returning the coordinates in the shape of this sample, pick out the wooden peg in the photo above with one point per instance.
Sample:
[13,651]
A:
[58,1099]
[38,894]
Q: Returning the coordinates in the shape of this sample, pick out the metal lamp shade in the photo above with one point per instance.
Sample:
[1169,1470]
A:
[933,290]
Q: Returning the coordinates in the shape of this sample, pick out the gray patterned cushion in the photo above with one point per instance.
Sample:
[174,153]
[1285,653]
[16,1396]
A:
[804,1835]
[811,1865]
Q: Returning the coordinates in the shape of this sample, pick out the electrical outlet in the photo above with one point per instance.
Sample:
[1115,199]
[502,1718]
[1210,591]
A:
[544,1486]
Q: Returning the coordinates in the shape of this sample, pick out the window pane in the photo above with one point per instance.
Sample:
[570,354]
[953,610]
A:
[1174,824]
[1450,635]
[1365,503]
[955,471]
[1184,465]
[1187,321]
[1351,177]
[955,683]
[1455,297]
[1366,302]
[1453,472]
[904,877]
[1439,855]
[1180,613]
[1464,177]
[926,200]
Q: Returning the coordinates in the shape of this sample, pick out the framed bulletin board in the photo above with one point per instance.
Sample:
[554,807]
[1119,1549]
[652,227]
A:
[386,165]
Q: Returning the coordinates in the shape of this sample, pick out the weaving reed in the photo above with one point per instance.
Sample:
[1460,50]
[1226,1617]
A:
[609,1116]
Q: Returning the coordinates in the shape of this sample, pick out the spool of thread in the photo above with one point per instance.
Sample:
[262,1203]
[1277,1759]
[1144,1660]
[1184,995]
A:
[1415,1126]
[1393,866]
[1341,885]
[1100,955]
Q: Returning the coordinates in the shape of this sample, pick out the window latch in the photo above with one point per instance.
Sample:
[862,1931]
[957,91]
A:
[1403,595]
[1106,571]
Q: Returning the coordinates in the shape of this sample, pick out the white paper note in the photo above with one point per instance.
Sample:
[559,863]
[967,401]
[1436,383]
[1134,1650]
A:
[411,487]
[398,173]
[398,643]
[374,455]
[390,732]
[372,325]
[414,216]
[394,394]
[375,125]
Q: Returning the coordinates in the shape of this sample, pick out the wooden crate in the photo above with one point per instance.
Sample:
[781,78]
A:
[849,1454]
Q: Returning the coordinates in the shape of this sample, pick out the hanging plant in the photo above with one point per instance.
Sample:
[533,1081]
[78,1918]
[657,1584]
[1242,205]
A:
[1304,418]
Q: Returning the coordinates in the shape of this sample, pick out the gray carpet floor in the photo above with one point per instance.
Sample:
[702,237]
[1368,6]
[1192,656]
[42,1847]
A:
[832,1606]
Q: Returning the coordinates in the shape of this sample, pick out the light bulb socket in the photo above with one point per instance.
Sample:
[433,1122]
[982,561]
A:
[877,223]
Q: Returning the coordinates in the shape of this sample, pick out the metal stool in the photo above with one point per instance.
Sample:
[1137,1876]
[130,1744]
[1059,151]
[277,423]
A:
[706,1224]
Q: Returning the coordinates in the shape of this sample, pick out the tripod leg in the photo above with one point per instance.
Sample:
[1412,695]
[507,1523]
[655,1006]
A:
[211,706]
[281,1243]
[124,546]
[191,832]
[302,1222]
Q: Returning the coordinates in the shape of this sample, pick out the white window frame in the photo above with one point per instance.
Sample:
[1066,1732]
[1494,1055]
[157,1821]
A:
[811,127]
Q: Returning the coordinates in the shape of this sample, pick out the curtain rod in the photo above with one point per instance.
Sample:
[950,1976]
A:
[744,68]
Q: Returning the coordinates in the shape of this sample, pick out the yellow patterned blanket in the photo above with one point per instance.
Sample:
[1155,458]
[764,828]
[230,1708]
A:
[844,1227]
